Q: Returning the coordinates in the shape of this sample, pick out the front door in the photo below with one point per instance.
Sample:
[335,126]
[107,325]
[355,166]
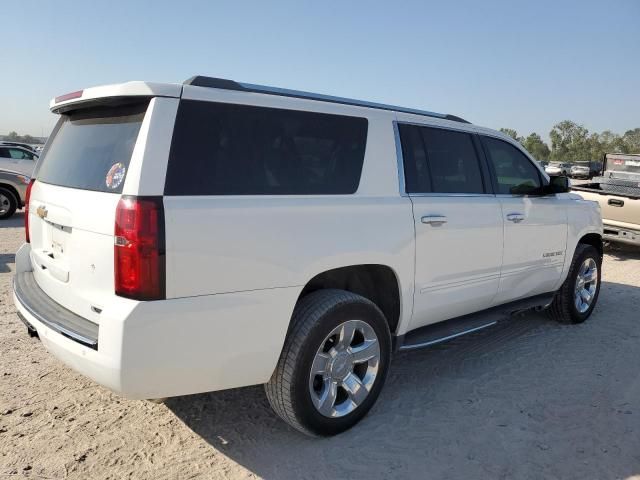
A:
[535,225]
[458,224]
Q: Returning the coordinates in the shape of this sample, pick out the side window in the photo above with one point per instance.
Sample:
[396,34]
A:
[416,170]
[4,153]
[226,149]
[515,173]
[16,153]
[439,161]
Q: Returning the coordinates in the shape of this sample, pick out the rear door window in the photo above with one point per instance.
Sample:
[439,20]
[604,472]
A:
[226,149]
[438,160]
[91,148]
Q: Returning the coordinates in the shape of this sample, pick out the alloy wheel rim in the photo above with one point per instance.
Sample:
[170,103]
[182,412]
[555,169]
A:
[344,369]
[586,285]
[4,204]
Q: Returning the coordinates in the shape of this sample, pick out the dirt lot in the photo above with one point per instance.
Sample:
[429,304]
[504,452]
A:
[528,399]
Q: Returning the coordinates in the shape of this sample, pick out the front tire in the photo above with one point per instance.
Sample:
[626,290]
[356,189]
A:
[8,203]
[577,297]
[333,364]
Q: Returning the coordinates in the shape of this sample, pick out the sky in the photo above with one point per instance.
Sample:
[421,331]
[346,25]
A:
[520,64]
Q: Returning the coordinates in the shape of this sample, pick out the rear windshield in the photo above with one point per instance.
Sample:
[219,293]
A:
[91,148]
[624,163]
[225,149]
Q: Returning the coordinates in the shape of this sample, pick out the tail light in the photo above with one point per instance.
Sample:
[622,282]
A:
[139,248]
[27,197]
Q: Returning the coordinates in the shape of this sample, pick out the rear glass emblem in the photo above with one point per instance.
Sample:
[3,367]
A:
[115,175]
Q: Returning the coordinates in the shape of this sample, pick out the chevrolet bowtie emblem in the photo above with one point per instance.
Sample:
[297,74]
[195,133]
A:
[42,211]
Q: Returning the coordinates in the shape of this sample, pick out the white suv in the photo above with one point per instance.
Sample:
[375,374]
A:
[211,235]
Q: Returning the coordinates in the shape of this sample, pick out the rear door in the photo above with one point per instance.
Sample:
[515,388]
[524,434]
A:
[458,223]
[535,226]
[73,203]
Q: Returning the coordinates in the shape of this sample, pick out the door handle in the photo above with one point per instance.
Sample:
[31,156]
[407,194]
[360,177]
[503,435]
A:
[434,220]
[614,202]
[515,217]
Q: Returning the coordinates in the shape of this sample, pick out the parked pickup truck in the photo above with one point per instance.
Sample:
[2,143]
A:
[185,238]
[618,193]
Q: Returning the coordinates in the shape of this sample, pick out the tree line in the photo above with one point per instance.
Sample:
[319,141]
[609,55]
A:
[571,142]
[14,137]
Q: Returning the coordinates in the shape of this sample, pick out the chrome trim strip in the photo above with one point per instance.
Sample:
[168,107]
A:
[88,342]
[399,160]
[451,195]
[444,339]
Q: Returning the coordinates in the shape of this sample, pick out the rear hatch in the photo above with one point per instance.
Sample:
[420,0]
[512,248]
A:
[73,203]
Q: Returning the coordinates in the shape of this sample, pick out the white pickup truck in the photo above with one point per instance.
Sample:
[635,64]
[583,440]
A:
[184,238]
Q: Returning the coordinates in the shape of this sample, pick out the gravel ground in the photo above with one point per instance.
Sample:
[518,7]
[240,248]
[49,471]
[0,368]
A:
[526,399]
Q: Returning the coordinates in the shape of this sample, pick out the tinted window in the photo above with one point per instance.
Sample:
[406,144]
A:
[20,154]
[515,173]
[224,149]
[91,148]
[440,161]
[4,153]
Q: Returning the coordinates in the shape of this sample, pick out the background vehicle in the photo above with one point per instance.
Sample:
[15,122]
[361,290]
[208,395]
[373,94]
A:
[212,235]
[555,168]
[618,193]
[13,188]
[580,170]
[18,144]
[17,159]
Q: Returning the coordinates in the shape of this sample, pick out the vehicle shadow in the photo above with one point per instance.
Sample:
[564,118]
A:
[621,251]
[5,260]
[16,221]
[528,397]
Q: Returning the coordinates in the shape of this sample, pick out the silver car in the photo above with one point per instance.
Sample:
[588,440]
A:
[13,191]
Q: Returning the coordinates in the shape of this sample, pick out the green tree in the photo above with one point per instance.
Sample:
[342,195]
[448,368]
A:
[570,142]
[13,136]
[631,139]
[536,147]
[512,133]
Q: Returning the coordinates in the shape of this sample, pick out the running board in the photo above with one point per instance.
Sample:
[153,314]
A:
[443,331]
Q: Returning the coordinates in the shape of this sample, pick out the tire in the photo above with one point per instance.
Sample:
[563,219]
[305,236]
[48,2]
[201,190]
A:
[564,307]
[296,395]
[8,203]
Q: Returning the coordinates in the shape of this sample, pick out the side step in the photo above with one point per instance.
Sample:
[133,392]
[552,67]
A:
[442,331]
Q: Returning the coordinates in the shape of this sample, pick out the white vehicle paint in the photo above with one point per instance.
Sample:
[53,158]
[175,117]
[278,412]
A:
[236,265]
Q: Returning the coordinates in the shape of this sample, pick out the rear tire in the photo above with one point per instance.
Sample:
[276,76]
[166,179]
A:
[575,300]
[333,364]
[8,203]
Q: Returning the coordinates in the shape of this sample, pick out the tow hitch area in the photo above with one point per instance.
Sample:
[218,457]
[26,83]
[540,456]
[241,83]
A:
[30,330]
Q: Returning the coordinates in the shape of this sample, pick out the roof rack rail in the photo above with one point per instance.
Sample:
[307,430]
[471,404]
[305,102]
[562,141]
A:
[224,84]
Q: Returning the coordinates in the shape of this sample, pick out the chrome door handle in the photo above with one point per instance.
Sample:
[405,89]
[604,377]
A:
[515,217]
[434,220]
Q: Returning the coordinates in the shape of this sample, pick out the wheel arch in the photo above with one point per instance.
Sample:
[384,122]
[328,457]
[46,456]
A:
[593,239]
[377,282]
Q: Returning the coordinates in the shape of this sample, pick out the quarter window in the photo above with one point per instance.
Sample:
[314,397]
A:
[226,149]
[438,160]
[515,173]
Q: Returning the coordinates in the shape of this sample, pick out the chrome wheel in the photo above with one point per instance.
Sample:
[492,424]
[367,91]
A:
[5,204]
[344,369]
[586,285]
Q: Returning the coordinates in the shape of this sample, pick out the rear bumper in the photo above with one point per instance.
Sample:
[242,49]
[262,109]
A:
[614,233]
[54,316]
[171,347]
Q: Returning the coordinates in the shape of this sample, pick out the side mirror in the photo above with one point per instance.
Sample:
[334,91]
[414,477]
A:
[559,184]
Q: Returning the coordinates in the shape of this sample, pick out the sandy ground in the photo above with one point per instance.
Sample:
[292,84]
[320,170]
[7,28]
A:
[527,399]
